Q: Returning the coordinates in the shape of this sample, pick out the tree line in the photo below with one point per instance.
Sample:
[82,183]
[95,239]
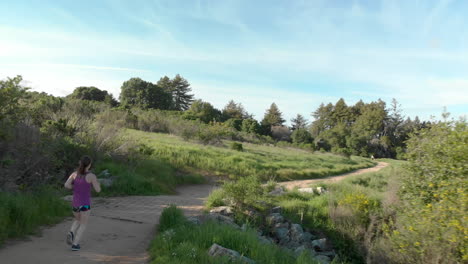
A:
[364,129]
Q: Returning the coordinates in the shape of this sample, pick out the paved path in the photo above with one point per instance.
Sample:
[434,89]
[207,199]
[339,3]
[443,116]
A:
[305,183]
[119,231]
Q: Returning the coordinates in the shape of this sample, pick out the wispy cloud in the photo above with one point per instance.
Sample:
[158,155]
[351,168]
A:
[313,51]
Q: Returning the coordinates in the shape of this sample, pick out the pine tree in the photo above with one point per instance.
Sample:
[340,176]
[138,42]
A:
[273,116]
[298,122]
[234,110]
[181,97]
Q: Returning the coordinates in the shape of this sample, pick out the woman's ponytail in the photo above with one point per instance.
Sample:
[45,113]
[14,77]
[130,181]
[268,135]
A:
[84,163]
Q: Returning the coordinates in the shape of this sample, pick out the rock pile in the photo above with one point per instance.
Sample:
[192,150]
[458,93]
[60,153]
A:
[283,233]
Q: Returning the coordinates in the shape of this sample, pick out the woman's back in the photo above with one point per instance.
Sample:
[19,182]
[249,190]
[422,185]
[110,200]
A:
[81,191]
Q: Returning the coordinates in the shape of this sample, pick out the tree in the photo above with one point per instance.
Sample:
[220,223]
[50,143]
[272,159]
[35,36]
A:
[250,125]
[92,93]
[11,93]
[180,90]
[137,92]
[234,110]
[298,122]
[323,119]
[273,116]
[301,136]
[203,111]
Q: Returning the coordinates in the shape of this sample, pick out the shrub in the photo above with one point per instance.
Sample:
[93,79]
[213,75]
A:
[171,217]
[301,136]
[237,146]
[216,198]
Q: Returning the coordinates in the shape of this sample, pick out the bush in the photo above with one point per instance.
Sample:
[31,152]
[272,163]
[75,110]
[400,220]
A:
[431,224]
[237,146]
[301,136]
[171,217]
[22,213]
[216,198]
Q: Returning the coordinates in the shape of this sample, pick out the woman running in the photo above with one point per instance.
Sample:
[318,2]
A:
[81,181]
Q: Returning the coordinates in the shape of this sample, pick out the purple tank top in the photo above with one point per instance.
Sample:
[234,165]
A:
[81,192]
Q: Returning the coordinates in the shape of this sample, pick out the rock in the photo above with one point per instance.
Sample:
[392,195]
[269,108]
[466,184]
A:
[322,259]
[330,254]
[276,209]
[282,225]
[194,220]
[274,219]
[319,244]
[278,191]
[299,250]
[282,234]
[223,219]
[321,190]
[306,190]
[223,210]
[219,251]
[68,198]
[106,182]
[296,232]
[266,240]
[105,173]
[307,237]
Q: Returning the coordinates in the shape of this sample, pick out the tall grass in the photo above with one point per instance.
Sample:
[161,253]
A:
[188,243]
[259,160]
[145,177]
[22,213]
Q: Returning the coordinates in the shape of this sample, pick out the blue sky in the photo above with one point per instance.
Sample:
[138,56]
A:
[295,53]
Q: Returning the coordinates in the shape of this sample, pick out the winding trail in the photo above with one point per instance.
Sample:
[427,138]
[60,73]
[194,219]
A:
[120,228]
[305,183]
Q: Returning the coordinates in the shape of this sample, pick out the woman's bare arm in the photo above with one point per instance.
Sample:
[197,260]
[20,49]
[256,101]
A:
[68,183]
[94,182]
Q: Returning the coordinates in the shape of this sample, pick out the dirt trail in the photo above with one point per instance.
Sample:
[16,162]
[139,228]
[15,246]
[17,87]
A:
[119,231]
[305,183]
[120,228]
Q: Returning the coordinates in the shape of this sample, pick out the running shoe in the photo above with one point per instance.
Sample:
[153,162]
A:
[76,247]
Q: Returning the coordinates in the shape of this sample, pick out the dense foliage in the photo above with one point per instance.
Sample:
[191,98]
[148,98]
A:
[363,129]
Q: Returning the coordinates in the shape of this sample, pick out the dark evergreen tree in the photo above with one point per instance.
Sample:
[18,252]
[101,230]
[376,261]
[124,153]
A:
[273,116]
[298,122]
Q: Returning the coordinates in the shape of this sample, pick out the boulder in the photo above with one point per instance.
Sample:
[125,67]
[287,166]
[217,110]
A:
[266,240]
[219,251]
[282,234]
[194,220]
[106,182]
[296,232]
[223,210]
[306,190]
[274,219]
[223,219]
[276,209]
[299,250]
[321,190]
[322,259]
[319,244]
[278,191]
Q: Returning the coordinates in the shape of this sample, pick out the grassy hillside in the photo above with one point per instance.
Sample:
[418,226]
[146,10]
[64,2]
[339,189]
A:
[268,162]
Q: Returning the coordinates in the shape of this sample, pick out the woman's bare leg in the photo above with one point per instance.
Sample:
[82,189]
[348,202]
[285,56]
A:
[84,216]
[76,223]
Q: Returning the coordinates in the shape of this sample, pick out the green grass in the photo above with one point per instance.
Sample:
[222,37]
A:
[182,242]
[259,160]
[22,213]
[147,177]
